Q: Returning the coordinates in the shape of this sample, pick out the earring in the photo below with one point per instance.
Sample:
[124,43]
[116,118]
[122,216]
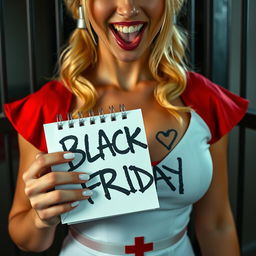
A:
[174,20]
[81,21]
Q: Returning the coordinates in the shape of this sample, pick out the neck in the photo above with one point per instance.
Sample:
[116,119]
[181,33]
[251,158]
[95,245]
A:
[123,74]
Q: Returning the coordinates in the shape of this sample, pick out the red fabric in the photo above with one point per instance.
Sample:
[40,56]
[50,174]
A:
[154,163]
[28,115]
[219,108]
[139,248]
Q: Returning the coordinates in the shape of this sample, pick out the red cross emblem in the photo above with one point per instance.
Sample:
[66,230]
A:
[139,248]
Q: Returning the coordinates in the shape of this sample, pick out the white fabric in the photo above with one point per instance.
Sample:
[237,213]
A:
[191,155]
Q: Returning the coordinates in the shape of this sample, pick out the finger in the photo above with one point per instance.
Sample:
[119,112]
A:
[50,215]
[44,161]
[53,179]
[46,200]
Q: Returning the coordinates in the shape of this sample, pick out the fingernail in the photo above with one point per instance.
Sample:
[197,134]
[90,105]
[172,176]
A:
[84,176]
[74,204]
[87,193]
[69,156]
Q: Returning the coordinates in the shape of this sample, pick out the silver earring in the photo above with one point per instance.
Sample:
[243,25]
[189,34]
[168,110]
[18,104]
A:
[81,21]
[174,20]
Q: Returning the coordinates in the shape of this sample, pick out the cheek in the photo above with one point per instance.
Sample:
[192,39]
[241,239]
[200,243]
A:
[100,9]
[99,12]
[155,8]
[155,11]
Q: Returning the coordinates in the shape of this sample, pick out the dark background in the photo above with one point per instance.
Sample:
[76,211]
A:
[222,47]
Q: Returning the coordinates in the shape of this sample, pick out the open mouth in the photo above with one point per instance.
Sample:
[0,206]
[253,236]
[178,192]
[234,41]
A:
[128,34]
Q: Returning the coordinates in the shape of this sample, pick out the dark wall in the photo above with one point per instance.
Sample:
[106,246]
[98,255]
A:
[215,40]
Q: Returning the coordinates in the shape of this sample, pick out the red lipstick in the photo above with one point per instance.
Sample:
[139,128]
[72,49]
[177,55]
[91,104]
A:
[128,46]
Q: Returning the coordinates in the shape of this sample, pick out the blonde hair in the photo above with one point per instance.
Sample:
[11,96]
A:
[166,61]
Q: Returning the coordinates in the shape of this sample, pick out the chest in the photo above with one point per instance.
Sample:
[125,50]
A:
[184,175]
[163,131]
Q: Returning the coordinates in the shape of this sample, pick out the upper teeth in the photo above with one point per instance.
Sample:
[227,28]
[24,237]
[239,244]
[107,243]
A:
[128,29]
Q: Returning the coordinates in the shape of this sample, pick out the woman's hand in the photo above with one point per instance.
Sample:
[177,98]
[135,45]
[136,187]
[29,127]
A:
[40,182]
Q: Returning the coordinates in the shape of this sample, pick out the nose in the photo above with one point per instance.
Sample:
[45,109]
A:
[127,8]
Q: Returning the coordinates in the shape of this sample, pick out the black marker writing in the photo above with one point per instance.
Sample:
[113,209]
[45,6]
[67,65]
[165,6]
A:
[138,172]
[73,149]
[131,139]
[167,138]
[118,150]
[107,177]
[160,175]
[87,151]
[167,179]
[104,143]
[129,180]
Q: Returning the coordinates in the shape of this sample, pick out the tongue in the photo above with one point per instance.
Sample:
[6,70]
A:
[128,37]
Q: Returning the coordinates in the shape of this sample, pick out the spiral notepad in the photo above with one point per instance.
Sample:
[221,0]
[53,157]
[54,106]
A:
[113,149]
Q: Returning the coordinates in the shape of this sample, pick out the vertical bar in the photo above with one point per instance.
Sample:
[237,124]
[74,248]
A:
[243,83]
[192,29]
[59,24]
[220,35]
[31,44]
[208,37]
[3,72]
[10,174]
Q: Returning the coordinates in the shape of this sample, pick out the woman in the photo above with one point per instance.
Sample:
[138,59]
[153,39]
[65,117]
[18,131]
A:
[130,52]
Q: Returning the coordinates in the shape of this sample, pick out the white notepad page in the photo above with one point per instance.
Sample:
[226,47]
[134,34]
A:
[115,155]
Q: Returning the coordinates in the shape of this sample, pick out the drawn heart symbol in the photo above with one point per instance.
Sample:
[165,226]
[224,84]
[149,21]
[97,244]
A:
[167,138]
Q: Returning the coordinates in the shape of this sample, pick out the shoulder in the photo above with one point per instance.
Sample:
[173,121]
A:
[201,87]
[27,115]
[49,93]
[219,108]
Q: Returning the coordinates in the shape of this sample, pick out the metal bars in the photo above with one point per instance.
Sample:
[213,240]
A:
[59,24]
[31,44]
[208,63]
[242,129]
[208,33]
[3,72]
[192,30]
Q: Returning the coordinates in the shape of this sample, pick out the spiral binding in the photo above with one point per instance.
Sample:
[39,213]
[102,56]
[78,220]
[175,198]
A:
[59,121]
[112,112]
[123,111]
[70,120]
[102,115]
[81,119]
[92,117]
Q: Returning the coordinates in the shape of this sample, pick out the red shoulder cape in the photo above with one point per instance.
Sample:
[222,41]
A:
[28,115]
[219,108]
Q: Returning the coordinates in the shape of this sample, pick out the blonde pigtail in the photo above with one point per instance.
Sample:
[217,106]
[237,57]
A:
[74,60]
